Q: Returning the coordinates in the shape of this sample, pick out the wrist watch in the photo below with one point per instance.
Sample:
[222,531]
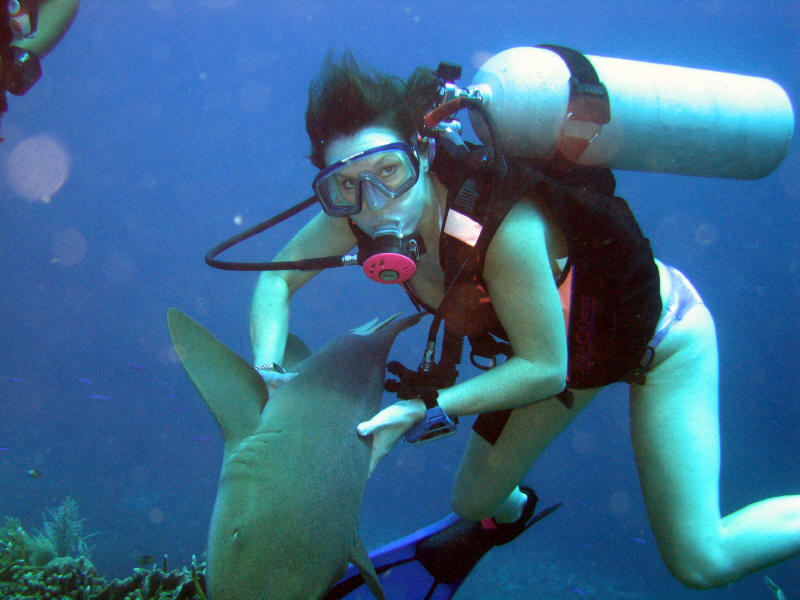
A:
[436,423]
[271,366]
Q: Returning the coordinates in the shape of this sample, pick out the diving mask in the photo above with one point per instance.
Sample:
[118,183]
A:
[374,175]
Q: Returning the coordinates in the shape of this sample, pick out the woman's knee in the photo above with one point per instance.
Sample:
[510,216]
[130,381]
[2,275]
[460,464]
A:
[699,565]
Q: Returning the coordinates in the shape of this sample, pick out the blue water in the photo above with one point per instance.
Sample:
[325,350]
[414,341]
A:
[169,125]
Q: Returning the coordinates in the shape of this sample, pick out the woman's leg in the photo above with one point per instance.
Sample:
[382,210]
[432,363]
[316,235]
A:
[486,483]
[675,431]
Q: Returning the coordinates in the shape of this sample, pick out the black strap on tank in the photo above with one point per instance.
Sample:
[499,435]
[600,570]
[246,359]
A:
[588,109]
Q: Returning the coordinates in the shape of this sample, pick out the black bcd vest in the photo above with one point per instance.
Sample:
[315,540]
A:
[615,299]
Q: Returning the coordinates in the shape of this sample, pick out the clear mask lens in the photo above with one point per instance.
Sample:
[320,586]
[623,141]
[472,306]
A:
[380,173]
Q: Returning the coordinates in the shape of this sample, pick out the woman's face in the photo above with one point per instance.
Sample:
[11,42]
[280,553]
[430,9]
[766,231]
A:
[380,212]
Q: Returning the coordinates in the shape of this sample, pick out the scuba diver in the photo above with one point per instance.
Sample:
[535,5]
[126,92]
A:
[535,260]
[29,29]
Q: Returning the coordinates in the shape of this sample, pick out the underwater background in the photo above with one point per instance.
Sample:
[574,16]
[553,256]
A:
[161,127]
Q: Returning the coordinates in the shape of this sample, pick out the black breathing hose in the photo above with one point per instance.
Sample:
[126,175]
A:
[309,264]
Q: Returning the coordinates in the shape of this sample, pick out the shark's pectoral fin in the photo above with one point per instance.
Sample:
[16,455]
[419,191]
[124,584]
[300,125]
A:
[360,558]
[233,391]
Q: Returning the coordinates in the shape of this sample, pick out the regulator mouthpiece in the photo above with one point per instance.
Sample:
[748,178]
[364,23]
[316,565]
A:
[392,258]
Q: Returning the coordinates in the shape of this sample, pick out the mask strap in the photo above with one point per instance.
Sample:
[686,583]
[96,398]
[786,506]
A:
[426,151]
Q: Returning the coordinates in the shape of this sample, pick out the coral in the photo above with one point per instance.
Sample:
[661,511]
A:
[62,577]
[181,584]
[68,577]
[40,550]
[64,529]
[15,544]
[13,541]
[62,537]
[55,565]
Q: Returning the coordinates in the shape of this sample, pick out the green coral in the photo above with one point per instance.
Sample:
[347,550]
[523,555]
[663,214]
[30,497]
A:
[18,548]
[40,550]
[55,565]
[64,529]
[63,536]
[13,541]
[67,577]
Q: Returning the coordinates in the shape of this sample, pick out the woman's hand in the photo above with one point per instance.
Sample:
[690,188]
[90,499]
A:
[389,425]
[274,380]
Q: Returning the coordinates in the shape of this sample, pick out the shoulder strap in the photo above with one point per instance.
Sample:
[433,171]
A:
[471,221]
[472,218]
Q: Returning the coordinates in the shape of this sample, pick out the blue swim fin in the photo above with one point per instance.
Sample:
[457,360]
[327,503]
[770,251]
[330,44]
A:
[429,564]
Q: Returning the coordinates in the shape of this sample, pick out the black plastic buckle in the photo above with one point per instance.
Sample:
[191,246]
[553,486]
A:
[24,71]
[436,424]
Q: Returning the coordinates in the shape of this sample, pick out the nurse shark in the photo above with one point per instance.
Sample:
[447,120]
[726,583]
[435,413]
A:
[284,524]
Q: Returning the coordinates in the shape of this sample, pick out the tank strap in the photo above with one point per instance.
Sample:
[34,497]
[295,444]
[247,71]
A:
[588,109]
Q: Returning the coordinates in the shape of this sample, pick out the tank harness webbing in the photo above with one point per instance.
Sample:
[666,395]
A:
[588,108]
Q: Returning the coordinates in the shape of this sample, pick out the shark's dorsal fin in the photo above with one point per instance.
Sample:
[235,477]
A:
[360,558]
[296,351]
[231,388]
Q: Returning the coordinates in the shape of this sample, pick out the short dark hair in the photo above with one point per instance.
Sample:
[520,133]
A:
[344,98]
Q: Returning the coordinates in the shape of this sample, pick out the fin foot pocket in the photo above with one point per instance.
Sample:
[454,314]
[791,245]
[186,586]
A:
[451,554]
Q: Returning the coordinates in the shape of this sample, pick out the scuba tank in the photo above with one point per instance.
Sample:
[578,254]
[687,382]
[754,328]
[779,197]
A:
[657,118]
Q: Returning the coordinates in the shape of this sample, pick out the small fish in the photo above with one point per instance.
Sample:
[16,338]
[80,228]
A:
[98,397]
[4,449]
[638,540]
[202,438]
[13,379]
[33,474]
[146,560]
[137,367]
[84,380]
[577,591]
